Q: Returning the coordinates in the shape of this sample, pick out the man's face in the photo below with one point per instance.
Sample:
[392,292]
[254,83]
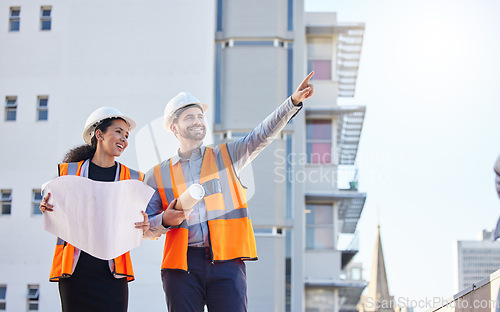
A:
[190,124]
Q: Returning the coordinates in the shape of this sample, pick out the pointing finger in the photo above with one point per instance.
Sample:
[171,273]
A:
[305,82]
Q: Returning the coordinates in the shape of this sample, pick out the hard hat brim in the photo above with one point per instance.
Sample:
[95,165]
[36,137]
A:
[87,132]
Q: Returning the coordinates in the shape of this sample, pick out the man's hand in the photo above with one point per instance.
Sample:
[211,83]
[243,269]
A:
[304,91]
[172,216]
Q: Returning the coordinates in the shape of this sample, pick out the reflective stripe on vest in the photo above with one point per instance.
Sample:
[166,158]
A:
[62,264]
[230,228]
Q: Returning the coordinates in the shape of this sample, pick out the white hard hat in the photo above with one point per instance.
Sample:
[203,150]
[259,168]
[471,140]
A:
[177,102]
[99,115]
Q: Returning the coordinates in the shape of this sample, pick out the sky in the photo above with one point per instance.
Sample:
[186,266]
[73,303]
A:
[429,77]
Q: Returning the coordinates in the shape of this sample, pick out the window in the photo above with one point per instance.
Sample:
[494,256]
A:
[45,18]
[319,141]
[14,19]
[320,299]
[6,201]
[319,57]
[289,65]
[32,297]
[218,81]
[322,69]
[42,108]
[319,226]
[10,108]
[36,200]
[3,297]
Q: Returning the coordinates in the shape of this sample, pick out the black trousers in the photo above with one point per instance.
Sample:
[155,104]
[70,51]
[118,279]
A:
[221,286]
[92,287]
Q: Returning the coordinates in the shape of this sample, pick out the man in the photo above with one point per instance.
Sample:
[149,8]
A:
[204,252]
[496,169]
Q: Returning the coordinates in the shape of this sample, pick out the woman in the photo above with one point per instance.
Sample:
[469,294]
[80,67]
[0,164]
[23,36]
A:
[87,283]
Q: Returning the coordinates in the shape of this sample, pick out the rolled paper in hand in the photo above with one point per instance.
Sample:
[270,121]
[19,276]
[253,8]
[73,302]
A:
[190,197]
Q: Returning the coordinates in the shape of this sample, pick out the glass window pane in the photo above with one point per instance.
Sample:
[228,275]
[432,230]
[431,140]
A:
[319,153]
[10,115]
[319,214]
[318,129]
[3,291]
[33,306]
[322,237]
[46,13]
[322,69]
[2,306]
[46,25]
[33,293]
[14,25]
[37,195]
[15,13]
[43,115]
[43,102]
[36,209]
[5,209]
[310,238]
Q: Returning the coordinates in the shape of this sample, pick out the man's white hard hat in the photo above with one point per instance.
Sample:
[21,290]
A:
[179,101]
[98,116]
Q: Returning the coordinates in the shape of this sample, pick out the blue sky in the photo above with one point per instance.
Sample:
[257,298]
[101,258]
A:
[429,76]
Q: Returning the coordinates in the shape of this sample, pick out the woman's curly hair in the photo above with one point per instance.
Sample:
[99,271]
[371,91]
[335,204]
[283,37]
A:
[84,152]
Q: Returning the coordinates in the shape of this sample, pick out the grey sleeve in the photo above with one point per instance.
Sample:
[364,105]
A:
[244,150]
[154,210]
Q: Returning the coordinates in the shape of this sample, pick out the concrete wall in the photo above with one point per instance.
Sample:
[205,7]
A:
[266,277]
[258,18]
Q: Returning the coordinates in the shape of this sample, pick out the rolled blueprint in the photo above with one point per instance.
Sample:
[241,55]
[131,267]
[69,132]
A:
[190,197]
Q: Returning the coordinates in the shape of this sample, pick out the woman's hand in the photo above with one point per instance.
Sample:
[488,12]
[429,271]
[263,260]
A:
[44,206]
[144,225]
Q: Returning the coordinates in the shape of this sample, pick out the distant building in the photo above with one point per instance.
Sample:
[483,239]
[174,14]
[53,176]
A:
[377,297]
[475,260]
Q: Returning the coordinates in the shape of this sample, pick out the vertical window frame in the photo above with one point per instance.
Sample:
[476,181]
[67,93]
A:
[310,154]
[10,108]
[42,111]
[45,20]
[14,19]
[33,297]
[6,201]
[36,200]
[329,226]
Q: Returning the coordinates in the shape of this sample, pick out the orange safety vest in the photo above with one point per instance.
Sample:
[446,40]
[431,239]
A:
[231,233]
[63,262]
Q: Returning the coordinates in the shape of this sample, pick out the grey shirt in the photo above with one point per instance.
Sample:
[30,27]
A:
[242,152]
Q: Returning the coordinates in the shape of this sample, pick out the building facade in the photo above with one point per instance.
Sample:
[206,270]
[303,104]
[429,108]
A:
[62,60]
[475,260]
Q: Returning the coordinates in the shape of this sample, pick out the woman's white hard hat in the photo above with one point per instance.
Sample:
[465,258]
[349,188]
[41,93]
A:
[98,116]
[179,101]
